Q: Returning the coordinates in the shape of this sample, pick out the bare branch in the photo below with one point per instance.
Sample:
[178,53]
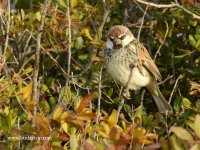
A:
[166,33]
[7,35]
[35,95]
[187,11]
[99,97]
[138,37]
[172,93]
[176,4]
[70,39]
[156,5]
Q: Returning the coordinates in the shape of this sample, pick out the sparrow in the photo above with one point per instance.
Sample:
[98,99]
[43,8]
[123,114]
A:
[129,63]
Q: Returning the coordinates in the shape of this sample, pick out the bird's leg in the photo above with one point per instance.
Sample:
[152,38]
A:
[125,92]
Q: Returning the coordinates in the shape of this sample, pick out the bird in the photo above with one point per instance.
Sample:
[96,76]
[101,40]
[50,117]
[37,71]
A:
[128,62]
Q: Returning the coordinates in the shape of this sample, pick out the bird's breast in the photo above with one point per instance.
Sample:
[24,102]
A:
[118,66]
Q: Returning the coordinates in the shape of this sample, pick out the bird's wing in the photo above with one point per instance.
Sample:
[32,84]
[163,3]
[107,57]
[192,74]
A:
[146,60]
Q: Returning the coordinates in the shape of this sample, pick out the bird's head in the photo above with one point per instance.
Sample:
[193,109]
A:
[118,36]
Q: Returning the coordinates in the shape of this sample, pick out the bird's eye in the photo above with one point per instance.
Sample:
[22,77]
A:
[122,37]
[111,38]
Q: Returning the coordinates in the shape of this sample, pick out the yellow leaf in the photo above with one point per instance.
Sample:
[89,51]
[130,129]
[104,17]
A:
[197,126]
[64,115]
[64,126]
[28,70]
[22,14]
[6,110]
[182,133]
[27,91]
[73,142]
[57,113]
[38,16]
[74,3]
[152,136]
[112,118]
[145,141]
[195,147]
[86,32]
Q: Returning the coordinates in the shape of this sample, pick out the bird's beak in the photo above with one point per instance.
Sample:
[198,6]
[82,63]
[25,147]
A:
[117,41]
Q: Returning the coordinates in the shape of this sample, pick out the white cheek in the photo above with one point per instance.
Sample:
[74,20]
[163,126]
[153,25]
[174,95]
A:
[127,40]
[109,44]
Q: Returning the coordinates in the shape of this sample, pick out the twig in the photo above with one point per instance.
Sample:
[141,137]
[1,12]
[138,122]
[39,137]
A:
[93,50]
[37,55]
[69,38]
[158,51]
[170,98]
[169,77]
[125,11]
[7,35]
[156,5]
[21,105]
[99,97]
[142,98]
[187,11]
[138,36]
[176,4]
[54,60]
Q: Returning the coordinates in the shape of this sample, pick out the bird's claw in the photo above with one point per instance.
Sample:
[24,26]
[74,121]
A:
[126,94]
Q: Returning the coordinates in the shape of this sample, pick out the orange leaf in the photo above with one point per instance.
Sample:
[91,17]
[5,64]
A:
[84,102]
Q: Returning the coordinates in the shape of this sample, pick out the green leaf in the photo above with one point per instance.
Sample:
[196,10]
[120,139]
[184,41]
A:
[197,125]
[186,102]
[192,41]
[177,103]
[62,3]
[110,92]
[79,43]
[138,115]
[198,30]
[175,144]
[182,133]
[83,57]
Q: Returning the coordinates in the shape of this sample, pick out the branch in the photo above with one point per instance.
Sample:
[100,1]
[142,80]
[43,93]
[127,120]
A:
[138,36]
[187,11]
[163,41]
[93,51]
[99,97]
[35,95]
[7,35]
[176,4]
[157,5]
[172,93]
[70,39]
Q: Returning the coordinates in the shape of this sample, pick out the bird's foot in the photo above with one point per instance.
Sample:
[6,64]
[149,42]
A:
[126,94]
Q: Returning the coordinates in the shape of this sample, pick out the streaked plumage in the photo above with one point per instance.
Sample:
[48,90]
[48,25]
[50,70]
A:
[126,58]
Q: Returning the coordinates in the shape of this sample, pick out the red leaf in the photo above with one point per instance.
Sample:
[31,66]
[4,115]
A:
[84,102]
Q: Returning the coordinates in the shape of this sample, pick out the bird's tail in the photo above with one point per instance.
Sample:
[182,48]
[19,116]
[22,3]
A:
[161,102]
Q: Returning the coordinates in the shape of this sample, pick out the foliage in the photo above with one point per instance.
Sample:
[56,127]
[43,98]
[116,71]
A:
[67,112]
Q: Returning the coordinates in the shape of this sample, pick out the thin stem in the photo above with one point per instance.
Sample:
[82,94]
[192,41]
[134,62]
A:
[166,33]
[35,94]
[69,39]
[99,98]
